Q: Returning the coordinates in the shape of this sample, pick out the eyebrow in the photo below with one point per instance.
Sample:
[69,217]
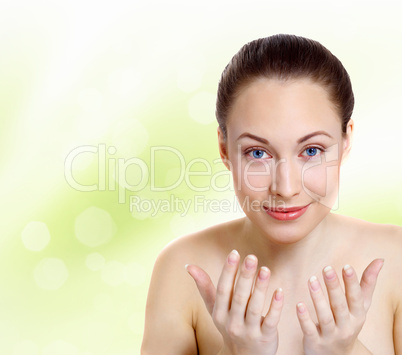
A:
[300,140]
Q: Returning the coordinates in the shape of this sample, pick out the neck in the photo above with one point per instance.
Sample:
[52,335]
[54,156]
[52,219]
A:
[291,261]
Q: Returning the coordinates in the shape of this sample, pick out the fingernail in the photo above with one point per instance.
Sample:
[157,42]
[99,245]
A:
[264,273]
[186,266]
[301,308]
[348,270]
[329,273]
[279,294]
[250,262]
[233,257]
[315,285]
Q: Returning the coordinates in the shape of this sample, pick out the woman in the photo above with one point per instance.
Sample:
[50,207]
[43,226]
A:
[284,111]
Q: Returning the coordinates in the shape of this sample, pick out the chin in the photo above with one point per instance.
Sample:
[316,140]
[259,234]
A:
[286,235]
[290,232]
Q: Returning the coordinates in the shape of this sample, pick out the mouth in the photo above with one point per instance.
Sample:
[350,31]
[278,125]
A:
[286,214]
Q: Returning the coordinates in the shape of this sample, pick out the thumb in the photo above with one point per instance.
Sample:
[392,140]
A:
[369,280]
[204,284]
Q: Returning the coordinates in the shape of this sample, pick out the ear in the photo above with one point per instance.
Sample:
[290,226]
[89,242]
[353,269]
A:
[347,140]
[223,148]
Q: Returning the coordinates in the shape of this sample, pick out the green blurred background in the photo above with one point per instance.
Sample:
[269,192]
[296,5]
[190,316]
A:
[112,82]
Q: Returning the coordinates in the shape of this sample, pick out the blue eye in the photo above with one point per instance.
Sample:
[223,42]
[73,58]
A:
[257,153]
[313,151]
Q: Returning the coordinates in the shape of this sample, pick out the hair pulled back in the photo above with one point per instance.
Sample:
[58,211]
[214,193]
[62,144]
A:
[285,57]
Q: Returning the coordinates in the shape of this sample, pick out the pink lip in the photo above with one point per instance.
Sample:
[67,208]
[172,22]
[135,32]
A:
[286,214]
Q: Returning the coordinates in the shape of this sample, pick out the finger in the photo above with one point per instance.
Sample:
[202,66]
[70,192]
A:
[337,299]
[324,314]
[353,292]
[204,285]
[307,325]
[257,300]
[243,288]
[224,288]
[369,280]
[271,320]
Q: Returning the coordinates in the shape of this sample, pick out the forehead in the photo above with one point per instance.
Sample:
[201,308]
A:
[285,108]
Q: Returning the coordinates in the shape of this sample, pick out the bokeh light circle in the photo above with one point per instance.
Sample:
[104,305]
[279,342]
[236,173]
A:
[94,227]
[35,236]
[50,273]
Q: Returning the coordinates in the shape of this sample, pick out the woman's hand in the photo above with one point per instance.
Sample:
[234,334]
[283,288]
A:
[340,321]
[236,308]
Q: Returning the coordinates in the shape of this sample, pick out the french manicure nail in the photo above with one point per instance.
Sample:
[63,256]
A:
[264,273]
[301,308]
[348,270]
[278,294]
[329,272]
[233,257]
[250,262]
[314,283]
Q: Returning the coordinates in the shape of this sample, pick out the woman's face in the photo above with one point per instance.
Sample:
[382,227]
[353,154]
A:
[284,147]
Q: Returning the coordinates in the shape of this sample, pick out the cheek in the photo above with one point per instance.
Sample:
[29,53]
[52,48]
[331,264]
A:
[253,176]
[321,182]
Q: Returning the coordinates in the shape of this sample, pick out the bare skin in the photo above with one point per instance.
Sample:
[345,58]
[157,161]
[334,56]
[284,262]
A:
[179,322]
[181,315]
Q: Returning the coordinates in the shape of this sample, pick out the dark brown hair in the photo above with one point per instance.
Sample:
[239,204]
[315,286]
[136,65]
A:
[285,57]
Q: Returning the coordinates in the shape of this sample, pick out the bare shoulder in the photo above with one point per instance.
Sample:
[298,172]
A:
[371,235]
[203,247]
[173,293]
[374,240]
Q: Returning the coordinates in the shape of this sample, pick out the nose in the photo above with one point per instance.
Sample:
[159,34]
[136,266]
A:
[286,179]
